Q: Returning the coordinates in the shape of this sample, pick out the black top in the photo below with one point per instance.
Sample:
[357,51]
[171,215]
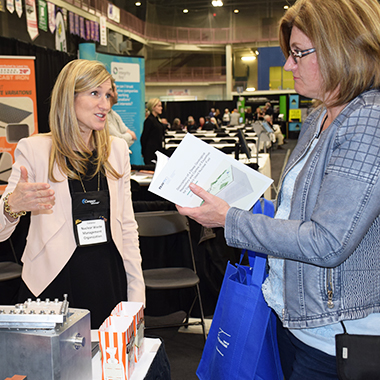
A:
[151,138]
[269,111]
[94,278]
[208,126]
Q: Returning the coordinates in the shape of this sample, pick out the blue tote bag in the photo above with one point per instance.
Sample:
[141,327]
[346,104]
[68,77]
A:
[242,343]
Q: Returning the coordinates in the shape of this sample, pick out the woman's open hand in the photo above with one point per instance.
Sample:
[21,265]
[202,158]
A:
[213,211]
[29,196]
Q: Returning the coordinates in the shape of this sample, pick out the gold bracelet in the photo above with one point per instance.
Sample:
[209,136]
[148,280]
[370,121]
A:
[7,209]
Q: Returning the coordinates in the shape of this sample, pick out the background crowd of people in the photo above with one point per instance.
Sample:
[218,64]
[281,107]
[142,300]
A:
[155,127]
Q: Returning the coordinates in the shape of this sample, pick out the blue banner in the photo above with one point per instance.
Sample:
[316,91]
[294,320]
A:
[294,101]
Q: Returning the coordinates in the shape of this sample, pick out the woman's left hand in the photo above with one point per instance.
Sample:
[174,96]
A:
[211,214]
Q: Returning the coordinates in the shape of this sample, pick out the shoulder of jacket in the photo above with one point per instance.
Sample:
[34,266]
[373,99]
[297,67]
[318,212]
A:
[118,144]
[369,98]
[36,142]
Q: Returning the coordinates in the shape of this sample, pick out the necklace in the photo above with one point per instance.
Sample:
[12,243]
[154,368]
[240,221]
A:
[322,125]
[81,182]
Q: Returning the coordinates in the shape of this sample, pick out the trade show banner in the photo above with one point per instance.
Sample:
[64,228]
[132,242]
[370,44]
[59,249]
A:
[241,108]
[129,75]
[18,108]
[295,122]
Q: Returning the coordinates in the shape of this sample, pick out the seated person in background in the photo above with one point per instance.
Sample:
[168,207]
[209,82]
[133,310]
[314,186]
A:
[212,112]
[201,122]
[208,125]
[276,113]
[190,125]
[218,118]
[177,126]
[226,117]
[115,123]
[268,109]
[276,130]
[259,114]
[248,115]
[234,119]
[165,123]
[215,122]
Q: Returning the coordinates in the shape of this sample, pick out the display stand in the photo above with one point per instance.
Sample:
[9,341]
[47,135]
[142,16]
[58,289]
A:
[154,359]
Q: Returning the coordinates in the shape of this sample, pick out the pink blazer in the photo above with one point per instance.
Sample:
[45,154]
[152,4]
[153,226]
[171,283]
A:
[50,241]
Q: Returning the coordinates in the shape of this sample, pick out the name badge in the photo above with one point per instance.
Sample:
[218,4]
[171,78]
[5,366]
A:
[91,232]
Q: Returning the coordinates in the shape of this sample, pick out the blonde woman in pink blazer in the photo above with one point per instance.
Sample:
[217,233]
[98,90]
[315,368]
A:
[75,181]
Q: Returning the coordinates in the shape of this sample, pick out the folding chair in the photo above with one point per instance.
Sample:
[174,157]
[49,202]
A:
[164,223]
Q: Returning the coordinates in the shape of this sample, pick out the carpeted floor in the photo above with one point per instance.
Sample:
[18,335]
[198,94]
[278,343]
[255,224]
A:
[183,347]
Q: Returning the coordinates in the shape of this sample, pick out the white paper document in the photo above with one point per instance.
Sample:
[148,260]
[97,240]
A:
[198,162]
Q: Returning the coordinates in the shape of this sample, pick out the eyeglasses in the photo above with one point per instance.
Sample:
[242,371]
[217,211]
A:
[300,53]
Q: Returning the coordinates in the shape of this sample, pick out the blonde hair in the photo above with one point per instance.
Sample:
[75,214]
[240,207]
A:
[67,144]
[114,97]
[152,103]
[346,36]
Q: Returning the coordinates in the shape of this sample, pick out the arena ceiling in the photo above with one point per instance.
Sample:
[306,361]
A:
[204,4]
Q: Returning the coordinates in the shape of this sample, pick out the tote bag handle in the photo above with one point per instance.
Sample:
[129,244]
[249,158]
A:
[258,260]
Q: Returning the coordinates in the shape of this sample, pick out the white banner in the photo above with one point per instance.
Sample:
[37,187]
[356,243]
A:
[113,13]
[60,32]
[31,18]
[10,6]
[103,31]
[18,4]
[51,16]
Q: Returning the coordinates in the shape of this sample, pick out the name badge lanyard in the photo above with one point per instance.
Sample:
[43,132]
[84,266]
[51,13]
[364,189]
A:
[90,211]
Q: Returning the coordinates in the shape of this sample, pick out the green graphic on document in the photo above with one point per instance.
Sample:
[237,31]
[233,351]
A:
[227,184]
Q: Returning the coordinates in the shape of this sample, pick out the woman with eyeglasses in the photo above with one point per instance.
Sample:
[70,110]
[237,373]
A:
[323,245]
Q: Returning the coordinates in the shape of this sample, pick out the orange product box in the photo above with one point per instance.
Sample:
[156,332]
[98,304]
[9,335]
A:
[136,311]
[116,342]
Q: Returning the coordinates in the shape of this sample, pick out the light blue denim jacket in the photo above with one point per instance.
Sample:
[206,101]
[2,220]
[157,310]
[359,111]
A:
[331,241]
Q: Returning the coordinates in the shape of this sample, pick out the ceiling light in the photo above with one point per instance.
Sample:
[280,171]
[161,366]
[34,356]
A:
[286,6]
[185,11]
[217,3]
[138,4]
[236,10]
[249,58]
[250,89]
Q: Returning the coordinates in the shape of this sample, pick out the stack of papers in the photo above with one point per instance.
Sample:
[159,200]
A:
[195,161]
